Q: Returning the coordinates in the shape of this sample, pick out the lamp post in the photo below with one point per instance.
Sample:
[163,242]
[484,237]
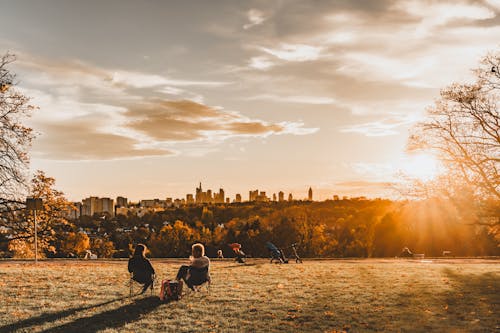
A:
[35,204]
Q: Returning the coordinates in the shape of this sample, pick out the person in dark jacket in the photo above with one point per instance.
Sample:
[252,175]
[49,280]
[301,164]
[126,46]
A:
[140,267]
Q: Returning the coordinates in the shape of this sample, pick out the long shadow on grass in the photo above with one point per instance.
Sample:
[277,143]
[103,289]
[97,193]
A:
[47,317]
[110,319]
[475,297]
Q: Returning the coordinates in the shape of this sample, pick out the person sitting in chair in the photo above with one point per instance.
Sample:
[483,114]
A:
[196,273]
[141,268]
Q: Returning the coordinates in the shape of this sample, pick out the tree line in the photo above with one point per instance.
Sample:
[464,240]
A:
[333,228]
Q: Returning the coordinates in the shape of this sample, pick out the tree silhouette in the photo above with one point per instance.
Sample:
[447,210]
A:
[463,128]
[15,138]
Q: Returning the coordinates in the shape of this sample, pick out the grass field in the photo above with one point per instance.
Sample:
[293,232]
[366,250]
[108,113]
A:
[316,296]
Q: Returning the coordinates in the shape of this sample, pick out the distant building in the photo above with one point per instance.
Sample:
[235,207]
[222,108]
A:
[237,198]
[281,196]
[121,202]
[252,195]
[262,197]
[222,195]
[89,206]
[336,197]
[219,197]
[274,196]
[153,203]
[290,197]
[208,197]
[74,212]
[106,205]
[203,197]
[189,199]
[310,194]
[93,205]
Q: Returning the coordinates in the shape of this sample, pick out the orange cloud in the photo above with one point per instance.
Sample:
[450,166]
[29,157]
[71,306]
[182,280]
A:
[188,120]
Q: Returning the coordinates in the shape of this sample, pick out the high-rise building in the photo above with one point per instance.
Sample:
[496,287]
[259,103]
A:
[262,196]
[94,205]
[252,195]
[222,195]
[75,211]
[121,202]
[189,199]
[274,196]
[310,194]
[237,198]
[199,196]
[203,197]
[281,196]
[290,197]
[89,206]
[107,206]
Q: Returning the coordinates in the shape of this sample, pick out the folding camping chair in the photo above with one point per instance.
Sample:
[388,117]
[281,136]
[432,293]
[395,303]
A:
[199,277]
[135,287]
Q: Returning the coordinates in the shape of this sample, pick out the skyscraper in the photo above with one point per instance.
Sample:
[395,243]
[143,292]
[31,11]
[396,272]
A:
[310,194]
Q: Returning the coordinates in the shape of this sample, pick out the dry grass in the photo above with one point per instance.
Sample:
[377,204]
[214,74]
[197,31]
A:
[317,296]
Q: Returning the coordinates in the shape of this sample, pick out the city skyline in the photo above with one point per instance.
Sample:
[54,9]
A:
[240,95]
[122,205]
[211,196]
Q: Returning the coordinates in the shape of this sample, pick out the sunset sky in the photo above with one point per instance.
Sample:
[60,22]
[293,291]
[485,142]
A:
[145,99]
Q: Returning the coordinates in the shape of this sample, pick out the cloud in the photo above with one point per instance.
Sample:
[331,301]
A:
[494,3]
[261,63]
[319,100]
[383,127]
[376,128]
[142,80]
[82,141]
[169,121]
[294,52]
[255,17]
[432,15]
[95,113]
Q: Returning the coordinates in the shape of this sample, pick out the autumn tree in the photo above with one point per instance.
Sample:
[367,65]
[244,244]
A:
[172,240]
[463,128]
[15,139]
[75,243]
[50,220]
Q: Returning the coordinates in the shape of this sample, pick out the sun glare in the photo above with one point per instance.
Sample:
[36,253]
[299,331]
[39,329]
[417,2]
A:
[423,167]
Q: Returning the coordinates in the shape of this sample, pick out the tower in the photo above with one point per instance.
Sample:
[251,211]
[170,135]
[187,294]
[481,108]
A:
[310,194]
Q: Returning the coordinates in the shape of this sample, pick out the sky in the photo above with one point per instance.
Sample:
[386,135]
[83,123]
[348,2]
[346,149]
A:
[145,99]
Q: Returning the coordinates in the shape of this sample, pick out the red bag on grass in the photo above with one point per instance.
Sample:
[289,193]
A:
[170,290]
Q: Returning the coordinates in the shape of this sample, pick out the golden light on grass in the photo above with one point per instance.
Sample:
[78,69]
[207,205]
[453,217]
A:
[317,296]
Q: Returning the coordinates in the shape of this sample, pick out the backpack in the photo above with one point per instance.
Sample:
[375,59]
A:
[170,290]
